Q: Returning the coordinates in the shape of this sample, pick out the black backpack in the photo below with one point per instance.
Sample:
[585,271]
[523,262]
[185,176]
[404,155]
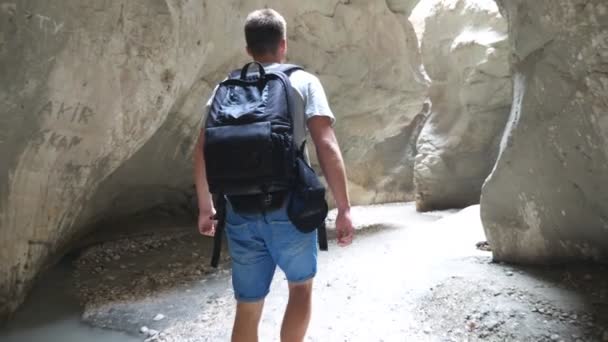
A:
[250,149]
[249,143]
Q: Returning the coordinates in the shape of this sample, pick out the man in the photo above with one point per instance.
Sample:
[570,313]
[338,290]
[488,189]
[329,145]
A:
[259,243]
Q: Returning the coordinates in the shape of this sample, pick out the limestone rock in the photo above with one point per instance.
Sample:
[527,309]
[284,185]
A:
[101,103]
[546,199]
[377,100]
[402,6]
[464,50]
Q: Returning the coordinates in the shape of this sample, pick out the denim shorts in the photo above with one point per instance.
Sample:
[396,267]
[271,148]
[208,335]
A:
[258,243]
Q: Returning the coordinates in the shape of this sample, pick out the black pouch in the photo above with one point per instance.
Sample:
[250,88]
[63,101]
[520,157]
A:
[307,208]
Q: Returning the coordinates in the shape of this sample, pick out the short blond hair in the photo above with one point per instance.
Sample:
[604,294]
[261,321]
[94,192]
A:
[264,30]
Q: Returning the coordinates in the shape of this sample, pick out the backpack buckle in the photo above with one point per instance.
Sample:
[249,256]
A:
[267,200]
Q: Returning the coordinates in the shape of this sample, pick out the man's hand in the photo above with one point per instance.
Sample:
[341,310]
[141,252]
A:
[344,228]
[206,222]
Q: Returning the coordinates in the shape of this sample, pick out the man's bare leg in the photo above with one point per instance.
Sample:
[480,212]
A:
[297,314]
[247,321]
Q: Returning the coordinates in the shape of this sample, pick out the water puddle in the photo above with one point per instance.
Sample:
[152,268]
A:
[52,313]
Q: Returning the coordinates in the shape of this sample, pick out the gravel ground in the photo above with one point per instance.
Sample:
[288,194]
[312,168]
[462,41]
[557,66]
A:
[407,277]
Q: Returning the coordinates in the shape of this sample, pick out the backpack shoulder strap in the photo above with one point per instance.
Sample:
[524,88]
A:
[234,74]
[287,69]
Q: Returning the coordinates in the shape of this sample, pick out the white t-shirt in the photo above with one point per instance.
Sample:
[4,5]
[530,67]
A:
[310,101]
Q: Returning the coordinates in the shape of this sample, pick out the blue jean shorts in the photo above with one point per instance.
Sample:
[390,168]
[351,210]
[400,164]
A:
[259,243]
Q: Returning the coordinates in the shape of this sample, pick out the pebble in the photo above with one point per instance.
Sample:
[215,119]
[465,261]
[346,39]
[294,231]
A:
[159,317]
[509,274]
[427,330]
[152,332]
[554,337]
[144,330]
[154,338]
[471,325]
[492,325]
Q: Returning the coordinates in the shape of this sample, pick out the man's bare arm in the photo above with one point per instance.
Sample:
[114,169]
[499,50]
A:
[332,164]
[330,158]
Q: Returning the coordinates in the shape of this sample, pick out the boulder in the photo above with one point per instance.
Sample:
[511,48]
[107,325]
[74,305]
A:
[465,53]
[545,200]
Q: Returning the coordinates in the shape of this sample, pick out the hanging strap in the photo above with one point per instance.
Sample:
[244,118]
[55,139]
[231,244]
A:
[220,216]
[322,237]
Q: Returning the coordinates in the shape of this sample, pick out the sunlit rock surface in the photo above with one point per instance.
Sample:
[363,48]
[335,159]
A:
[546,199]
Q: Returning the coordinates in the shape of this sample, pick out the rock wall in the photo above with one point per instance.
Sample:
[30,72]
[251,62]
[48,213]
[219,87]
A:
[100,106]
[87,85]
[376,99]
[545,200]
[465,51]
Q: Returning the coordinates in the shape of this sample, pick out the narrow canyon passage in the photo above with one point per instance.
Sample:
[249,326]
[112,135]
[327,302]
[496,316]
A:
[499,107]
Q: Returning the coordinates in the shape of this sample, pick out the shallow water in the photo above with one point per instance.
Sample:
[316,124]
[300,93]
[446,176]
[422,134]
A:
[52,314]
